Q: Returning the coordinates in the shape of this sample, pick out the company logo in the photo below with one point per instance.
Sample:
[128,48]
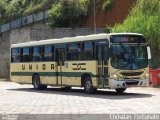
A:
[79,66]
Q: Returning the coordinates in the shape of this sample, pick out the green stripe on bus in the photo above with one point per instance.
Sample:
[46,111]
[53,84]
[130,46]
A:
[66,74]
[31,73]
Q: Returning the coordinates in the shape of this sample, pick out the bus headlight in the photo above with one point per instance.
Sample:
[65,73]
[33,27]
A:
[146,76]
[115,76]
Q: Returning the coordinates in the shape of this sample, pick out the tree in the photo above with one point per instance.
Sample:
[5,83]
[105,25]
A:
[68,13]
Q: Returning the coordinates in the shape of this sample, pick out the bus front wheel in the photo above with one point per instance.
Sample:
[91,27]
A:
[88,86]
[120,90]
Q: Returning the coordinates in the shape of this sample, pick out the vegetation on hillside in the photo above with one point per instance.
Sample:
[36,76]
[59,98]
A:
[74,12]
[144,18]
[68,13]
[14,9]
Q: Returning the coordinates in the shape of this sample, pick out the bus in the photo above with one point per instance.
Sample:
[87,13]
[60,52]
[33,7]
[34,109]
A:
[115,60]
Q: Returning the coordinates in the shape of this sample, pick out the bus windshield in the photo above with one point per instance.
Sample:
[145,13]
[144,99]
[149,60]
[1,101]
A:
[129,57]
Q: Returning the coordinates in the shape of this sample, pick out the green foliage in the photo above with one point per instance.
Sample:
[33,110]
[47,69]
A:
[68,13]
[144,18]
[14,9]
[107,4]
[2,12]
[40,5]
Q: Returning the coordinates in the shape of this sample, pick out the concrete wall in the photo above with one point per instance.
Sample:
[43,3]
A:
[4,54]
[34,32]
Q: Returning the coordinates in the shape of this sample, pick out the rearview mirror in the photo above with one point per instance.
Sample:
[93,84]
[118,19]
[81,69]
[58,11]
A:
[149,52]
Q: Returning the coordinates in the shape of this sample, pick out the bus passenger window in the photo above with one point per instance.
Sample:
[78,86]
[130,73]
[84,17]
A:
[36,54]
[26,55]
[88,51]
[73,51]
[16,55]
[48,53]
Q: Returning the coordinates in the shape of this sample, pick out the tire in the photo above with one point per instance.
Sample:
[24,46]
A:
[36,82]
[88,86]
[120,90]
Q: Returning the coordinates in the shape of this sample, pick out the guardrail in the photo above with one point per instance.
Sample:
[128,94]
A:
[24,21]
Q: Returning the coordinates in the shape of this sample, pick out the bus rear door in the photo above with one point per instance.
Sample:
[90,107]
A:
[60,59]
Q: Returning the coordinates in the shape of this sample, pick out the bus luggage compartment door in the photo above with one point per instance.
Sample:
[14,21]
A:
[102,55]
[60,57]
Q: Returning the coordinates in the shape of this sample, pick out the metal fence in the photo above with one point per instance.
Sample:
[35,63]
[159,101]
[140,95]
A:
[24,21]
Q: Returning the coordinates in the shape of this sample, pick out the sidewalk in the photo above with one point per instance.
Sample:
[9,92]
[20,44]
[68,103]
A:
[4,79]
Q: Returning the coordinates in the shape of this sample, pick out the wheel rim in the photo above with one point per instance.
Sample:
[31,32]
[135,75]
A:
[88,85]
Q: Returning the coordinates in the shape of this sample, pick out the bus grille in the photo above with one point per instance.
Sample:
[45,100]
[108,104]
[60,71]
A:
[132,83]
[129,78]
[131,73]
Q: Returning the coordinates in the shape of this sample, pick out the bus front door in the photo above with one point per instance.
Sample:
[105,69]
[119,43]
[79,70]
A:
[60,57]
[102,54]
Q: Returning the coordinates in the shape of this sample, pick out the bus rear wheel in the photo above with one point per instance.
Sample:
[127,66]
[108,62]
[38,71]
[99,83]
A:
[120,90]
[36,83]
[88,86]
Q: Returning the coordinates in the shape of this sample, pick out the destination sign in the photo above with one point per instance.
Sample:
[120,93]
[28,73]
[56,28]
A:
[127,39]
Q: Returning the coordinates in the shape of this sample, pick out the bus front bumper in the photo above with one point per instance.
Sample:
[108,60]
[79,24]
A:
[114,84]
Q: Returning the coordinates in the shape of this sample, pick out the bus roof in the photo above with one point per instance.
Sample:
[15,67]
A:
[69,39]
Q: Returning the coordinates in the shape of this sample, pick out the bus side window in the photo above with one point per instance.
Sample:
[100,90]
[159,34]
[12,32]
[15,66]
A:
[16,55]
[48,53]
[26,55]
[87,51]
[36,53]
[73,51]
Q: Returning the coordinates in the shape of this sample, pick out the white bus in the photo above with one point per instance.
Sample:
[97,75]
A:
[115,61]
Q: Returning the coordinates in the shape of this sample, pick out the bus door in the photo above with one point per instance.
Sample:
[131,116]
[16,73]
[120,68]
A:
[102,56]
[60,58]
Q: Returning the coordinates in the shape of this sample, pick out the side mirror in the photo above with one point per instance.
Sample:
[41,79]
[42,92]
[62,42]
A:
[149,52]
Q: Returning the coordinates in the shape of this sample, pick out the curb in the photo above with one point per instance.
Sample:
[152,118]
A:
[4,79]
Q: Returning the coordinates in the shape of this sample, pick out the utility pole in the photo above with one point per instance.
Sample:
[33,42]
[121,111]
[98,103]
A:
[94,2]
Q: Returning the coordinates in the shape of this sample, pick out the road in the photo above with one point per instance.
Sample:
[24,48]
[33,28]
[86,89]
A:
[23,99]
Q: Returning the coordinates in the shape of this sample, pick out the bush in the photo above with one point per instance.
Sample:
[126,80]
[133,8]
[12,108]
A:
[14,11]
[68,13]
[36,6]
[2,12]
